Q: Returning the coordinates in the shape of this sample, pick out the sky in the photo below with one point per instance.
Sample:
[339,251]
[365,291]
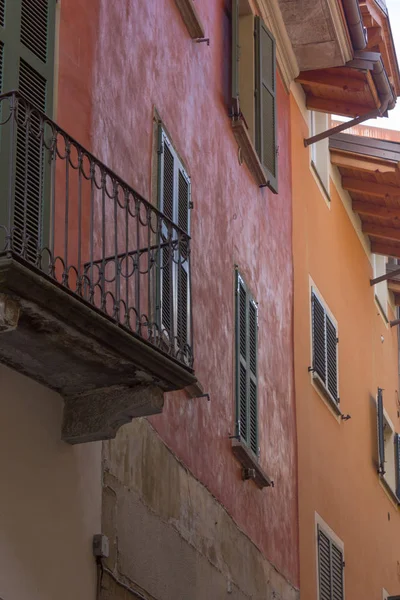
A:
[393,122]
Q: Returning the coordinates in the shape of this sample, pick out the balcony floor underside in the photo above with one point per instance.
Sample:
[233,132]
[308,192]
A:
[105,374]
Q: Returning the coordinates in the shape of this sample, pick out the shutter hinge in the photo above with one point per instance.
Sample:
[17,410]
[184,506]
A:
[343,564]
[277,151]
[191,205]
[337,340]
[160,149]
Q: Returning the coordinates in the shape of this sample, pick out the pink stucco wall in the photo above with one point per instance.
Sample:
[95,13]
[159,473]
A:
[135,57]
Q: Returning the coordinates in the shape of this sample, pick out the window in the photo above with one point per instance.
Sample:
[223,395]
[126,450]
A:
[388,449]
[174,281]
[191,18]
[246,366]
[320,159]
[330,567]
[324,349]
[381,289]
[254,87]
[27,64]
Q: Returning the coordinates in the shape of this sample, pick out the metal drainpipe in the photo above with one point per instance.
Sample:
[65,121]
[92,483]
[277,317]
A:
[355,24]
[383,86]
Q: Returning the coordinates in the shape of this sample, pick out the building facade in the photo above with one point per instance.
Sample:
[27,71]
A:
[346,351]
[156,225]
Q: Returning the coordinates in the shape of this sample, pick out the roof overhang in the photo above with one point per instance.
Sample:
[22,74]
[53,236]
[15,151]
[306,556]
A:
[370,171]
[321,40]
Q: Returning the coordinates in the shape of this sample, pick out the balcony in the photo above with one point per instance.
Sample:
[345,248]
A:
[95,297]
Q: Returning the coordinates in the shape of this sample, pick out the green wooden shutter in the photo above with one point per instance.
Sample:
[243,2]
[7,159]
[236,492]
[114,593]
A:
[381,432]
[265,100]
[174,286]
[27,34]
[235,57]
[27,49]
[397,464]
[246,366]
[330,568]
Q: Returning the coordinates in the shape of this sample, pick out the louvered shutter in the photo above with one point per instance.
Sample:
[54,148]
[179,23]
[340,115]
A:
[167,192]
[27,48]
[235,56]
[324,341]
[381,432]
[337,573]
[174,284]
[246,366]
[318,338]
[397,464]
[331,358]
[265,98]
[330,568]
[183,259]
[324,566]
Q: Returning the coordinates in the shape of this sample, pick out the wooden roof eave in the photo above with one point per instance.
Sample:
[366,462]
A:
[370,171]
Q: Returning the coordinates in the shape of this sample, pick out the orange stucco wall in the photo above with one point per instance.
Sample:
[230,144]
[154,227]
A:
[337,460]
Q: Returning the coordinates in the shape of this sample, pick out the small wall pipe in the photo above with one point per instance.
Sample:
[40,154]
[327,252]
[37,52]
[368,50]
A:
[355,24]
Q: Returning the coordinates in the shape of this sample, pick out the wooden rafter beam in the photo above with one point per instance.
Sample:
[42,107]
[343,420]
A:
[349,160]
[370,188]
[374,210]
[336,107]
[380,231]
[324,79]
[385,249]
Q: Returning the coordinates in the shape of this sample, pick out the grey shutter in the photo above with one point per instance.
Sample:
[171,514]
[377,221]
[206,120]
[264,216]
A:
[397,464]
[166,202]
[265,98]
[246,366]
[27,43]
[183,260]
[174,285]
[381,433]
[331,358]
[253,408]
[318,338]
[235,57]
[330,568]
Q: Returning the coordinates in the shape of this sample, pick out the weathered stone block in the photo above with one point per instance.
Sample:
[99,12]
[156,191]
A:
[9,313]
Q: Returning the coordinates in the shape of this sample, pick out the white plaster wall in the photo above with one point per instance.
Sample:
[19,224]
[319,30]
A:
[50,498]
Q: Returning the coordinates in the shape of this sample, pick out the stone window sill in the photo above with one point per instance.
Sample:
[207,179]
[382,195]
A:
[249,153]
[191,18]
[248,461]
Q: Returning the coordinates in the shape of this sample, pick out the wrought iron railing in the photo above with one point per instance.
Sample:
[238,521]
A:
[66,214]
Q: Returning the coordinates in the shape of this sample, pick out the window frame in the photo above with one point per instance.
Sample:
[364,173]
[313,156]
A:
[178,169]
[322,528]
[323,147]
[323,386]
[249,135]
[388,446]
[250,377]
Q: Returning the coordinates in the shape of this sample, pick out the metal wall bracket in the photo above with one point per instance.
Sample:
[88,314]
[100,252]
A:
[385,277]
[326,134]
